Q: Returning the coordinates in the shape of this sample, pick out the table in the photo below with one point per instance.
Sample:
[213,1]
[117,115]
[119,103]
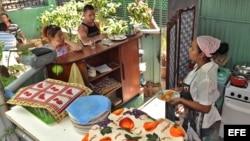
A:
[40,131]
[64,130]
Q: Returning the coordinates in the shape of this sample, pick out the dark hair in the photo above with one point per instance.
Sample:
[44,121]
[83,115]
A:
[224,47]
[221,50]
[88,7]
[3,27]
[50,31]
[5,14]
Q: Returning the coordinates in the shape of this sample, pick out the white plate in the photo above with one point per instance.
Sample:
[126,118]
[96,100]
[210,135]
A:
[94,120]
[118,37]
[165,96]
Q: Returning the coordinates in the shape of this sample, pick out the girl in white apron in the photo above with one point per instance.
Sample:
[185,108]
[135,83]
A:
[199,92]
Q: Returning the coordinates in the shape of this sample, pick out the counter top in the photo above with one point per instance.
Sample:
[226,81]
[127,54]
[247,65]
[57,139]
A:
[87,52]
[64,130]
[40,131]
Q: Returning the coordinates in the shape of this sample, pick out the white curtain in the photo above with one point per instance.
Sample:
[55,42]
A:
[7,129]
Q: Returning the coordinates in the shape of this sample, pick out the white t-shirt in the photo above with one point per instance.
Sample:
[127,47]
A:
[204,90]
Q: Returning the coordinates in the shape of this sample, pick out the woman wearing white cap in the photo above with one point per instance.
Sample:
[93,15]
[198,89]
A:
[199,92]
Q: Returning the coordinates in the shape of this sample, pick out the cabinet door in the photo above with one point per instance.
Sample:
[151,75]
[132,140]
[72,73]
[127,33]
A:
[130,69]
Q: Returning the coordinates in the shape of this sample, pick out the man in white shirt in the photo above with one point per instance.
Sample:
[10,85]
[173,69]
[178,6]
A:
[8,38]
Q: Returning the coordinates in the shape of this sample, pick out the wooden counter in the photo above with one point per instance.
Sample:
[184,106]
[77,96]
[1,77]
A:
[87,52]
[121,56]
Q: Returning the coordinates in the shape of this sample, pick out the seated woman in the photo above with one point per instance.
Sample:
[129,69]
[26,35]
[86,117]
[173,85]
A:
[89,30]
[13,28]
[57,40]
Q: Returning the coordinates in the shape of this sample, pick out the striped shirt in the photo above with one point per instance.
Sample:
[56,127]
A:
[8,39]
[14,29]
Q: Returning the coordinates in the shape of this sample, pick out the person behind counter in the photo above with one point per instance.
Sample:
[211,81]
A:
[89,30]
[13,28]
[57,40]
[199,92]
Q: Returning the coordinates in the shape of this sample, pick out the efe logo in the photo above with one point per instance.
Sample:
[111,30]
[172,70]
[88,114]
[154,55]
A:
[236,132]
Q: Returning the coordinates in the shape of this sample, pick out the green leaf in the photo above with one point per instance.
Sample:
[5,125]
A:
[152,137]
[132,138]
[106,130]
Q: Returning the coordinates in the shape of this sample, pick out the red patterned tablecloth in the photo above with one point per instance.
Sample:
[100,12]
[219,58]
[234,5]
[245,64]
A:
[52,95]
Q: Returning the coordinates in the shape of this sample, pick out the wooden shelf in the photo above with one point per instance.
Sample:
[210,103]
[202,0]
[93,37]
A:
[99,75]
[112,91]
[116,101]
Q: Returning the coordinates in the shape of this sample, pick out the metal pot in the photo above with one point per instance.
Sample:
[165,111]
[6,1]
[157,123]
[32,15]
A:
[239,80]
[242,69]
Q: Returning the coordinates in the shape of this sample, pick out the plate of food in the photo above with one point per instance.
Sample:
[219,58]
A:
[167,95]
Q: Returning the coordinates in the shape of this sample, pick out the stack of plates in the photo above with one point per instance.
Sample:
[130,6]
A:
[84,128]
[86,111]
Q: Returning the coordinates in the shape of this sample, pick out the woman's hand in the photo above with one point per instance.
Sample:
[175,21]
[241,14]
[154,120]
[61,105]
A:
[178,89]
[73,45]
[175,101]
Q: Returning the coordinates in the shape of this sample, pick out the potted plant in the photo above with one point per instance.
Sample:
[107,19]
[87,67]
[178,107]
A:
[114,27]
[8,73]
[4,73]
[139,13]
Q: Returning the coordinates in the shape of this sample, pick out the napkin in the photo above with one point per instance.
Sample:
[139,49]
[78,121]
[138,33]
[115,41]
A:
[75,75]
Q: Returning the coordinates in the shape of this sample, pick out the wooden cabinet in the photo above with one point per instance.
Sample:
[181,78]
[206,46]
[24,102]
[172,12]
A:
[123,59]
[130,69]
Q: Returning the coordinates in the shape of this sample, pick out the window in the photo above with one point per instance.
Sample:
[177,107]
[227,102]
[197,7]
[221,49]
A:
[19,4]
